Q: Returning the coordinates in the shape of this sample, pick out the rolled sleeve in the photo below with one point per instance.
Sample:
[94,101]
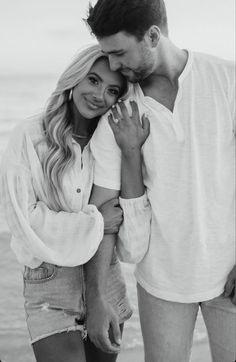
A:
[134,233]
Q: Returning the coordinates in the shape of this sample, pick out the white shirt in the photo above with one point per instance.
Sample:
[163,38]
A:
[189,174]
[65,238]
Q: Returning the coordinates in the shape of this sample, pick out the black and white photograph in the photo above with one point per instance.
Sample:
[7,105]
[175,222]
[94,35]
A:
[117,181]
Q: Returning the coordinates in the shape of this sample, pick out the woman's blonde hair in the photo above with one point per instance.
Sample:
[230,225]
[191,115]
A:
[58,127]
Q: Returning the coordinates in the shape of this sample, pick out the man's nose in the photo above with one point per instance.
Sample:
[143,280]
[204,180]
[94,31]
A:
[114,63]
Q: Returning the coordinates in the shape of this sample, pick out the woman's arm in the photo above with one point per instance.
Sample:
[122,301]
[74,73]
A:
[134,233]
[130,134]
[55,237]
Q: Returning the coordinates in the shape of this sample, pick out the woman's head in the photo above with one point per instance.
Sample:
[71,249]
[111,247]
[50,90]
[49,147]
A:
[91,80]
[95,88]
[99,89]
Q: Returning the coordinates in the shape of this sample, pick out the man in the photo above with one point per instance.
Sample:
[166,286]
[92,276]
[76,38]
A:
[189,174]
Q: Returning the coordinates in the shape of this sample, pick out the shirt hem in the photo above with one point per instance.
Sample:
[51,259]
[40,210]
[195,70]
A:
[176,297]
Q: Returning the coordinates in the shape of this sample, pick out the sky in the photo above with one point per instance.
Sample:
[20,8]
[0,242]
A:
[41,36]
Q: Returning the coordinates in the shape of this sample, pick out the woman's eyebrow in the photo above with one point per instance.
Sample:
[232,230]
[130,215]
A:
[94,73]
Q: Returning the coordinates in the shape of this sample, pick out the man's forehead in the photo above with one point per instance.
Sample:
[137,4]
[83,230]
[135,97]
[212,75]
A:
[115,43]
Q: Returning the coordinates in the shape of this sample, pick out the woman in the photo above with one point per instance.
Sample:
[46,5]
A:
[47,176]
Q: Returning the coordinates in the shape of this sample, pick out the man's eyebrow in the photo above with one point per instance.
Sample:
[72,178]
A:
[113,51]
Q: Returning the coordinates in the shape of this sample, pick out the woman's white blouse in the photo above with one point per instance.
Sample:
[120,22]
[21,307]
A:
[65,238]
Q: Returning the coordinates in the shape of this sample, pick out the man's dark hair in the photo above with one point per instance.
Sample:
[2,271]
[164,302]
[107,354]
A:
[135,17]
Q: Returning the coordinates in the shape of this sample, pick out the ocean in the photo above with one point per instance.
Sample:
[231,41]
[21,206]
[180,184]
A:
[22,97]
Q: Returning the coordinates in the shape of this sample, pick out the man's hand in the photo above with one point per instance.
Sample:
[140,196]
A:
[103,326]
[112,215]
[230,286]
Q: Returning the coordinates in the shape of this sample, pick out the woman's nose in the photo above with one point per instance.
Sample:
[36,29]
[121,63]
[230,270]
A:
[99,94]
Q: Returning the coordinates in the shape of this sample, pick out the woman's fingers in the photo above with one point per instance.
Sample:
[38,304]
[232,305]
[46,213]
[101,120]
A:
[115,113]
[135,111]
[112,123]
[124,110]
[146,123]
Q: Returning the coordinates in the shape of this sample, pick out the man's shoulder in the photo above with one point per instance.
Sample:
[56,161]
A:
[213,62]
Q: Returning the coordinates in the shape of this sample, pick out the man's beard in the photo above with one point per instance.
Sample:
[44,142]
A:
[136,76]
[146,68]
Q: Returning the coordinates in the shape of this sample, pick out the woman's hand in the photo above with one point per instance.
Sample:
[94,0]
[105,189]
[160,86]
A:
[112,215]
[129,132]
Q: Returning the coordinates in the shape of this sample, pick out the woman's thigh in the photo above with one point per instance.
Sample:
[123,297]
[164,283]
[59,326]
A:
[167,328]
[60,347]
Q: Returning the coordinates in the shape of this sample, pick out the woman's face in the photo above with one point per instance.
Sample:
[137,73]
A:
[99,90]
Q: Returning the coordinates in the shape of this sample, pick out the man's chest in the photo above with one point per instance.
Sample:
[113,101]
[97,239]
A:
[163,93]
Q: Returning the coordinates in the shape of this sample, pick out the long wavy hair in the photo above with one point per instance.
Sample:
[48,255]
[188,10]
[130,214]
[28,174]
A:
[58,126]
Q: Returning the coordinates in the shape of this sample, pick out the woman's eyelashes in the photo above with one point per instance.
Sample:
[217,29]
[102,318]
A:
[114,92]
[95,81]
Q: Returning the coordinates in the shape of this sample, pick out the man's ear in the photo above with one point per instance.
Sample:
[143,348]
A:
[154,34]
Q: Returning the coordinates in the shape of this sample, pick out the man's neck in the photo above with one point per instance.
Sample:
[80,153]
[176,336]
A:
[162,84]
[171,62]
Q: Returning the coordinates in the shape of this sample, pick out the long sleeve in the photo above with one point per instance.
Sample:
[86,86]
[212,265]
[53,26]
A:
[134,233]
[41,234]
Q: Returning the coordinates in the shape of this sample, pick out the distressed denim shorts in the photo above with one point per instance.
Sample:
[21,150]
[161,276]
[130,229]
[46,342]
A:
[55,298]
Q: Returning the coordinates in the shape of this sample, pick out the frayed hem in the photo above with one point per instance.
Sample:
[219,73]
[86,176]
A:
[68,329]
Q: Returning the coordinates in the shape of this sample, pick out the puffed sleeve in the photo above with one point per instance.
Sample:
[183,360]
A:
[41,234]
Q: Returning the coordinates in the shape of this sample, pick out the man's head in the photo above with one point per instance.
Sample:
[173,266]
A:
[134,17]
[129,32]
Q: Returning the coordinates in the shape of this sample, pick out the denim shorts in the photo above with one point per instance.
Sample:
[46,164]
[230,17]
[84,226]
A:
[55,298]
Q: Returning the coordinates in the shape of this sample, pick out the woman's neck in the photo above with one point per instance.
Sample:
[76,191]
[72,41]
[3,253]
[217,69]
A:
[81,126]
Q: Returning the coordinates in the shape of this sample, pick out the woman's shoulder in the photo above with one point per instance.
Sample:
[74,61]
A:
[33,127]
[30,127]
[26,132]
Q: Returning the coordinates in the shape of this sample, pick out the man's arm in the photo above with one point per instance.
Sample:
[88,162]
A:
[230,286]
[100,315]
